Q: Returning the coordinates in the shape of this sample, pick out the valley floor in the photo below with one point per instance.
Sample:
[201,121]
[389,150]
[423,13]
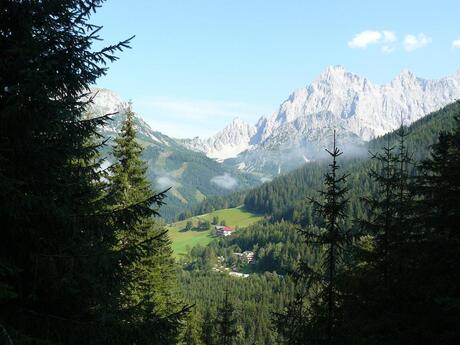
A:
[183,239]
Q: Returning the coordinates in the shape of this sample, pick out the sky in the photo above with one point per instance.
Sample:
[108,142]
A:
[196,64]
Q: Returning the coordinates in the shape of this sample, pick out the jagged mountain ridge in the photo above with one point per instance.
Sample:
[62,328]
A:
[358,109]
[192,175]
[105,101]
[228,143]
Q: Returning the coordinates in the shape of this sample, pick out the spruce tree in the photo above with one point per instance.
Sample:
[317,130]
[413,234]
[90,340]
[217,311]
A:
[380,285]
[208,328]
[292,323]
[226,322]
[322,320]
[149,290]
[334,242]
[191,334]
[58,270]
[438,253]
[67,273]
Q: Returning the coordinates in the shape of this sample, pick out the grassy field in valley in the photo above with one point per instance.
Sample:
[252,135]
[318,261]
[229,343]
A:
[181,239]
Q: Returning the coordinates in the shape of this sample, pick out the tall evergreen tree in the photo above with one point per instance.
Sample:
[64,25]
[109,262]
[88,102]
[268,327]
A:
[63,262]
[438,254]
[208,328]
[323,321]
[149,290]
[226,322]
[379,287]
[191,334]
[390,208]
[334,241]
[58,266]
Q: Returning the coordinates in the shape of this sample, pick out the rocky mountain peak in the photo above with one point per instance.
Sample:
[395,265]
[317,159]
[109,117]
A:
[238,124]
[336,99]
[106,101]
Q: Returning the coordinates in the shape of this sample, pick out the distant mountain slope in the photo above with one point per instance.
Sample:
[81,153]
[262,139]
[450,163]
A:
[284,197]
[300,128]
[192,175]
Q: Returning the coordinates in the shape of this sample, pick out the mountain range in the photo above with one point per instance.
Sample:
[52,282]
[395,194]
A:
[242,155]
[302,126]
[191,175]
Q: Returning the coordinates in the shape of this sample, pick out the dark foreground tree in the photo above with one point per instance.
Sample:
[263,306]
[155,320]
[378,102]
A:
[208,328]
[322,322]
[379,286]
[438,254]
[62,265]
[226,322]
[293,322]
[149,290]
[191,334]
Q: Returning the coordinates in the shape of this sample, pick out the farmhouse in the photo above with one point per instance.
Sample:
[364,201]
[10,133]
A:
[224,230]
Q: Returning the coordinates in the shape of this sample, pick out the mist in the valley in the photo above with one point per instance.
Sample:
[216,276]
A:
[225,181]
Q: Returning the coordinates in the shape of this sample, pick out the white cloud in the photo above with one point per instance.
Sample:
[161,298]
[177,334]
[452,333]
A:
[363,39]
[412,42]
[389,36]
[225,181]
[368,37]
[387,49]
[456,43]
[165,181]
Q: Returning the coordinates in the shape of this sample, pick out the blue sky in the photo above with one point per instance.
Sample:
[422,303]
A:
[196,64]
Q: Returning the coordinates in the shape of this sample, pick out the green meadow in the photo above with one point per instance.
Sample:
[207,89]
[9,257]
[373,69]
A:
[182,239]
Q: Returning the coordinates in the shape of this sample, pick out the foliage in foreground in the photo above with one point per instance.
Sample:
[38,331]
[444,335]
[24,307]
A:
[71,270]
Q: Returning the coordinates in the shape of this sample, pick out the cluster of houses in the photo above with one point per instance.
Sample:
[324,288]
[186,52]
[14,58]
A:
[247,256]
[222,230]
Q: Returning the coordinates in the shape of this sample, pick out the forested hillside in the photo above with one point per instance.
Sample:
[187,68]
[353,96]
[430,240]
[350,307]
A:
[357,260]
[252,299]
[191,175]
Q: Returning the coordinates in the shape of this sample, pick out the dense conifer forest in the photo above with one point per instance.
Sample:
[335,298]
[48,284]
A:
[352,250]
[382,192]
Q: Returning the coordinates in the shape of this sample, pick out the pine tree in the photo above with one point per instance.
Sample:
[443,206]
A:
[292,323]
[379,287]
[438,253]
[208,328]
[334,240]
[321,322]
[58,266]
[192,331]
[226,322]
[390,209]
[150,279]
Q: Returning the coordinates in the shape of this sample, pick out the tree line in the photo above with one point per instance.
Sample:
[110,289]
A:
[391,277]
[385,277]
